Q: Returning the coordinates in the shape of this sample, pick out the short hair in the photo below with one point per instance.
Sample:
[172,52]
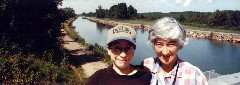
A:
[168,28]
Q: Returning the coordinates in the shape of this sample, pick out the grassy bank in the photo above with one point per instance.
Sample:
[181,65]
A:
[146,22]
[132,21]
[96,49]
[71,33]
[213,30]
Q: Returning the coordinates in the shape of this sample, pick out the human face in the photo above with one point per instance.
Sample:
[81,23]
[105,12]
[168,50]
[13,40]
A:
[121,53]
[166,50]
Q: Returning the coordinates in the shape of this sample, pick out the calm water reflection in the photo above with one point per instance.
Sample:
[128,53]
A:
[223,57]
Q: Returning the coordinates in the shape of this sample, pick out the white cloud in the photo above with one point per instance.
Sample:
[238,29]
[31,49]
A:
[179,1]
[164,1]
[86,6]
[184,2]
[109,1]
[210,1]
[188,2]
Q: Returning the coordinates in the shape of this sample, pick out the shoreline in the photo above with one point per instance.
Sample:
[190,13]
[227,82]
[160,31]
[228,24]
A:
[230,37]
[89,65]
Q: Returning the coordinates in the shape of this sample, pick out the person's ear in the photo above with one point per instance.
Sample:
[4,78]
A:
[107,47]
[179,47]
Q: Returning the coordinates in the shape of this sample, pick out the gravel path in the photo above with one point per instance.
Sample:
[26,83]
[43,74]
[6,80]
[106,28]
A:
[92,67]
[77,49]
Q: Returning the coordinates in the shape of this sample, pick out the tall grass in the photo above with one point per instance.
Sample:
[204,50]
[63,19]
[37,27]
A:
[27,69]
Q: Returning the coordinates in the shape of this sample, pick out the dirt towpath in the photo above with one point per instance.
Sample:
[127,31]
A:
[77,49]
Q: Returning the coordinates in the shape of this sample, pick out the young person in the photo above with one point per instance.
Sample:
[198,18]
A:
[167,36]
[121,44]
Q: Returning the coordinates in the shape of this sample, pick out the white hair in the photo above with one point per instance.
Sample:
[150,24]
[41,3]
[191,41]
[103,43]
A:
[168,28]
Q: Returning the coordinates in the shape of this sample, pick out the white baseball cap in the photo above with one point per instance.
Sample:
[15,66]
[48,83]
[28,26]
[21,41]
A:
[122,32]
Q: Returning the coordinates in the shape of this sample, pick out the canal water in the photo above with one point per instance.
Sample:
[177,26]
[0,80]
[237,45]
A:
[223,57]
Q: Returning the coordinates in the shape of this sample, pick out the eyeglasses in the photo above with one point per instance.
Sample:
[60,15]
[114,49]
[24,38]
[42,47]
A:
[118,50]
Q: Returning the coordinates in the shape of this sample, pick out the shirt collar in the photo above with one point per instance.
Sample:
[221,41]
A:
[173,72]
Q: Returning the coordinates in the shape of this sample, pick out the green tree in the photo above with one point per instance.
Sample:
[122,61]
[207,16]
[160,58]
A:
[132,13]
[68,12]
[113,11]
[226,19]
[100,13]
[181,18]
[122,11]
[32,26]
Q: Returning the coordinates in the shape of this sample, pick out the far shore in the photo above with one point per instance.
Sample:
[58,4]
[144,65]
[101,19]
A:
[221,36]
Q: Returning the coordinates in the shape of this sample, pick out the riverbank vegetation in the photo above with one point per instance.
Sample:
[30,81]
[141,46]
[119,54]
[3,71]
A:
[94,48]
[220,20]
[30,45]
[67,26]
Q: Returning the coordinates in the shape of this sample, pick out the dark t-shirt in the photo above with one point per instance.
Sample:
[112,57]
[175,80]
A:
[108,76]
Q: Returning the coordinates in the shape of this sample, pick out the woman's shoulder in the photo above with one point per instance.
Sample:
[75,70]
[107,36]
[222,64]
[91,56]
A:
[193,70]
[149,63]
[187,65]
[190,67]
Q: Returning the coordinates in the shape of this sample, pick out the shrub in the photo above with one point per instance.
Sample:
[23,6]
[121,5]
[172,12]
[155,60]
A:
[21,69]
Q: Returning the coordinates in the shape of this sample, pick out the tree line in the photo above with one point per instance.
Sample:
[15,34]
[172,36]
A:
[119,11]
[223,19]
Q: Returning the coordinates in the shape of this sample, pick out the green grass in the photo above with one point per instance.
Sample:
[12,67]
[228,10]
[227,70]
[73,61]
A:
[72,33]
[27,69]
[146,22]
[132,21]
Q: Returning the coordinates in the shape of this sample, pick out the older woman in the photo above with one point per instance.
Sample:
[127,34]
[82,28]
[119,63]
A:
[167,36]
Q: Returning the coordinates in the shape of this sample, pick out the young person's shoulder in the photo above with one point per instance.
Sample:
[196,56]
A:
[143,74]
[95,78]
[102,71]
[142,69]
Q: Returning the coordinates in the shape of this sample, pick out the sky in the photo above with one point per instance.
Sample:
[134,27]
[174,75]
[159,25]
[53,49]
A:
[164,6]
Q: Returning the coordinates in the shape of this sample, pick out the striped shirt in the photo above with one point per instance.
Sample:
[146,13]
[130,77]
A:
[187,74]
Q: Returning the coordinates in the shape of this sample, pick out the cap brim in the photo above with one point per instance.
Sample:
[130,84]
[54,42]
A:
[122,38]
